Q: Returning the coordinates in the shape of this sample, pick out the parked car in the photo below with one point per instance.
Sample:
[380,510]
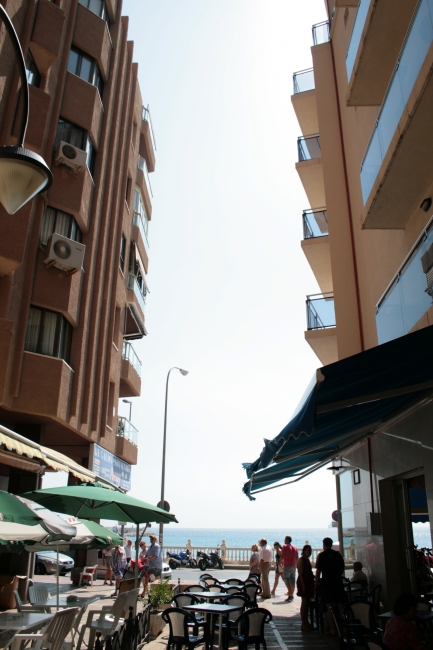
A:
[101,569]
[46,562]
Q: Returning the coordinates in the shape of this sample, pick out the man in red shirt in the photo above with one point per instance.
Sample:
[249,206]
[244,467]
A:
[290,557]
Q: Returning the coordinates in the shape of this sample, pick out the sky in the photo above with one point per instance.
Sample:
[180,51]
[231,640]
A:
[227,275]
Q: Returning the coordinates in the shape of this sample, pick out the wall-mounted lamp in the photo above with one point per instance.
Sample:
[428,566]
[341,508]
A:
[426,204]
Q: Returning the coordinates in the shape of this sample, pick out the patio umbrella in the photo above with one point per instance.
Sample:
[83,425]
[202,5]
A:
[24,522]
[93,502]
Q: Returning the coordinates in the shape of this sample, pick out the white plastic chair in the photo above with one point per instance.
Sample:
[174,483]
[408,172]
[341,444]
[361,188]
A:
[109,617]
[88,573]
[54,635]
[38,596]
[26,607]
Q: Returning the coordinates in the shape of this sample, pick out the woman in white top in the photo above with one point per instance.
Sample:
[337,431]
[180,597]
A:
[108,563]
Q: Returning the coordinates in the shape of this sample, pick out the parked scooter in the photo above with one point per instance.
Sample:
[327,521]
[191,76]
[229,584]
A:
[184,558]
[211,561]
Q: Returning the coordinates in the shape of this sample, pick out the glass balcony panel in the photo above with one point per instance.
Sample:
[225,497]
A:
[126,429]
[130,355]
[309,148]
[315,223]
[320,311]
[303,81]
[355,38]
[371,165]
[415,49]
[133,284]
[141,164]
[140,220]
[321,33]
[146,116]
[390,115]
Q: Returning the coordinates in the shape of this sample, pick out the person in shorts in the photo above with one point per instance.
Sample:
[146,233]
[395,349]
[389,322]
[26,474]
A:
[107,562]
[143,567]
[119,565]
[290,558]
[154,560]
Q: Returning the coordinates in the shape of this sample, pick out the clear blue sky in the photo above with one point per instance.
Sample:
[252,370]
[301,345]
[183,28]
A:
[227,276]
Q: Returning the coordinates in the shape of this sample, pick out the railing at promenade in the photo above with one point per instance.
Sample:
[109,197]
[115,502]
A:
[241,554]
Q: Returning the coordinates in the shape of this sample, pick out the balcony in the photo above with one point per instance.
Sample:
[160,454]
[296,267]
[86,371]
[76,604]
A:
[144,182]
[321,332]
[309,168]
[139,292]
[394,174]
[130,374]
[377,35]
[140,221]
[320,33]
[126,441]
[304,101]
[316,247]
[407,300]
[148,140]
[125,429]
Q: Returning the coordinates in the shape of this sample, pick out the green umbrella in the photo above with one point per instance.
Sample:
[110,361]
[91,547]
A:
[93,502]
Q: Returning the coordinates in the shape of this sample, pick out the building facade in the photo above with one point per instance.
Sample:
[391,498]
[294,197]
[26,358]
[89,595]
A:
[74,261]
[364,159]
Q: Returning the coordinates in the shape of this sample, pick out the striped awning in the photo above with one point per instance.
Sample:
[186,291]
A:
[29,449]
[62,463]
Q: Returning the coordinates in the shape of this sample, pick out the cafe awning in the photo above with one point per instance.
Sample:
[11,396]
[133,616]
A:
[346,402]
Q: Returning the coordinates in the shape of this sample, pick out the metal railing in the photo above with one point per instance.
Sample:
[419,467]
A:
[320,311]
[303,81]
[125,429]
[320,32]
[315,223]
[141,164]
[145,115]
[135,287]
[409,63]
[129,354]
[355,37]
[309,147]
[141,221]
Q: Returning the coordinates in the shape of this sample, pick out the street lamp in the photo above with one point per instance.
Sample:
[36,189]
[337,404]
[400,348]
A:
[161,504]
[23,174]
[127,401]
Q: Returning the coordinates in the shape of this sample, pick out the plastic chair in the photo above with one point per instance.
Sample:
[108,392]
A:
[254,577]
[235,589]
[88,574]
[195,588]
[251,592]
[219,589]
[204,576]
[360,617]
[180,600]
[231,617]
[54,635]
[234,581]
[38,595]
[346,633]
[374,597]
[178,620]
[108,619]
[251,628]
[28,607]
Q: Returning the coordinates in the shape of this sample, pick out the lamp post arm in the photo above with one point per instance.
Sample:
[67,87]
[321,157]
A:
[23,74]
[165,438]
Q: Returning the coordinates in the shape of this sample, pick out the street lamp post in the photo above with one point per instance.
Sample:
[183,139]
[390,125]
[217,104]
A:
[23,174]
[127,401]
[161,525]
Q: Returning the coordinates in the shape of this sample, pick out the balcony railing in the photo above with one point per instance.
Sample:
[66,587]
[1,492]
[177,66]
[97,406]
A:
[309,148]
[126,429]
[130,355]
[135,287]
[320,311]
[141,164]
[315,223]
[407,297]
[303,81]
[145,115]
[141,221]
[320,33]
[355,38]
[413,53]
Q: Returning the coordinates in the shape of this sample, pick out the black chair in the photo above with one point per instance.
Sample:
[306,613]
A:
[346,633]
[229,619]
[359,619]
[195,588]
[235,589]
[180,600]
[211,581]
[251,592]
[217,588]
[250,628]
[254,577]
[374,597]
[178,621]
[233,581]
[358,594]
[206,575]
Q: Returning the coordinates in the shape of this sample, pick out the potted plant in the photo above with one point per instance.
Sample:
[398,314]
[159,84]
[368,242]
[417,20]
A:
[160,595]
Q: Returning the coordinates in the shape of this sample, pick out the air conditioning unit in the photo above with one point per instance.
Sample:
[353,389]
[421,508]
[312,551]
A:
[71,156]
[64,253]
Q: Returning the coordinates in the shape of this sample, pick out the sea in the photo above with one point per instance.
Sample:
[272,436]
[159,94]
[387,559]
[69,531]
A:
[245,537]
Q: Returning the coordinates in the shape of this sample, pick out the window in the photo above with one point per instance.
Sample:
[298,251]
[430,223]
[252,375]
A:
[97,7]
[86,68]
[48,332]
[61,223]
[78,137]
[140,210]
[33,75]
[122,252]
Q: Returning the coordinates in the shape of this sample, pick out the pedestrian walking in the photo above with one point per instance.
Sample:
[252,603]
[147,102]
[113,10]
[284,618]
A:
[290,558]
[278,566]
[265,556]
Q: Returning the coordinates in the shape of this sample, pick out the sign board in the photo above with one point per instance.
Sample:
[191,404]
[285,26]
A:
[108,466]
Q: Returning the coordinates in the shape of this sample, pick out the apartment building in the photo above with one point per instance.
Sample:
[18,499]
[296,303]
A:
[74,261]
[364,111]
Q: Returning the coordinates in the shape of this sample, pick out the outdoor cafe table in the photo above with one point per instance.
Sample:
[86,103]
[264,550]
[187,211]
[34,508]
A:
[24,622]
[64,602]
[213,608]
[354,588]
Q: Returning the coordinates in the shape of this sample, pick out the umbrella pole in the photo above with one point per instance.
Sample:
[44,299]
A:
[137,533]
[57,578]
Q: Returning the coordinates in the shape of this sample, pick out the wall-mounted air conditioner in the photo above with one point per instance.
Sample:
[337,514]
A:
[67,154]
[64,253]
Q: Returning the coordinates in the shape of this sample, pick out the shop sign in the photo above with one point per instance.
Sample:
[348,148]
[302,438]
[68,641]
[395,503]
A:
[108,466]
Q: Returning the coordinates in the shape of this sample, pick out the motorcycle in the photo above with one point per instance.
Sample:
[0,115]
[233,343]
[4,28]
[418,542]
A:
[184,558]
[211,561]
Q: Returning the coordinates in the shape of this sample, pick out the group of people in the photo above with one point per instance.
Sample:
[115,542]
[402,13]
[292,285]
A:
[118,559]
